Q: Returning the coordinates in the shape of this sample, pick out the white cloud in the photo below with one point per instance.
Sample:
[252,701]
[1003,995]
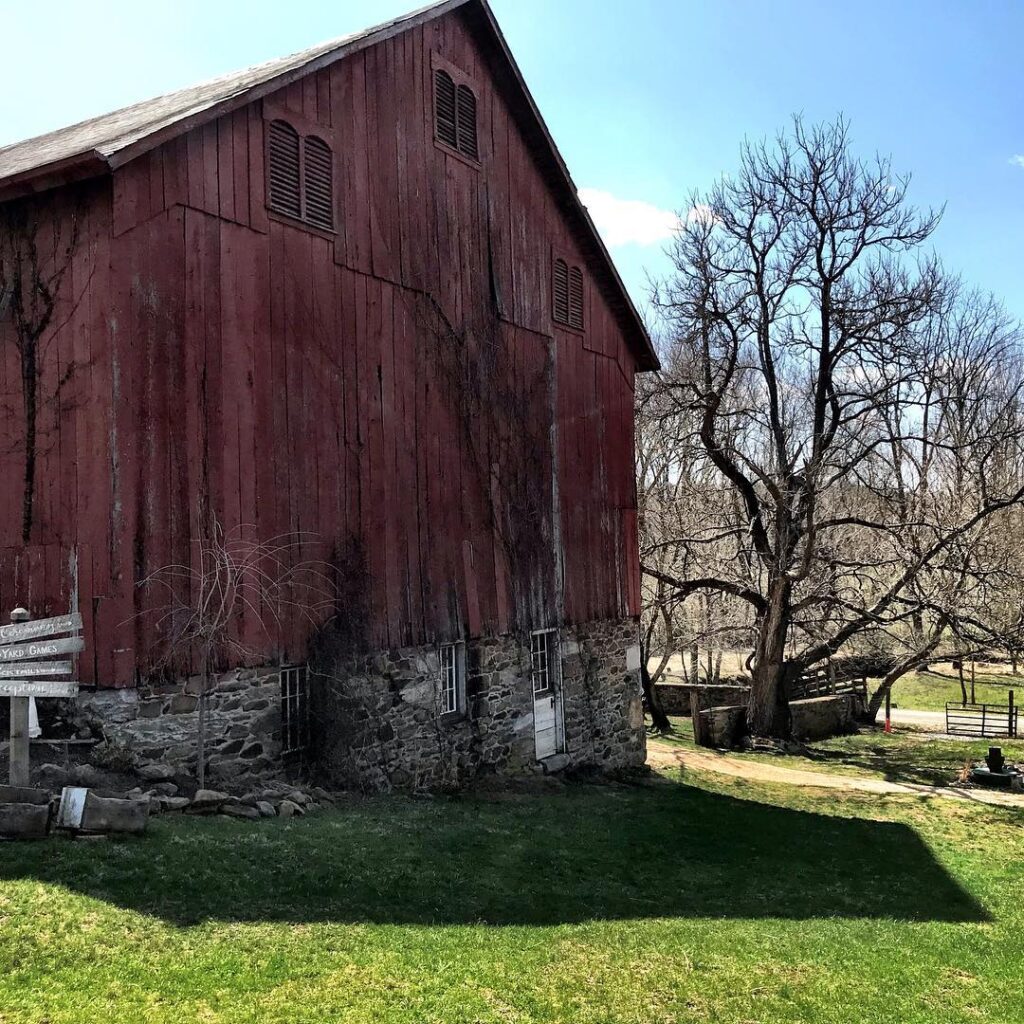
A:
[632,221]
[1017,159]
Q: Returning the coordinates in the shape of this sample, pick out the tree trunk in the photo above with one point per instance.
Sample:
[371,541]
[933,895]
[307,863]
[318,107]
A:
[659,719]
[963,686]
[694,663]
[768,711]
[718,667]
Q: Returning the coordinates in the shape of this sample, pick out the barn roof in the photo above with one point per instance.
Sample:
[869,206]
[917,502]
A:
[101,144]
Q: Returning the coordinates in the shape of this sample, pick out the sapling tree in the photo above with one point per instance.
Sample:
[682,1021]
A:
[231,577]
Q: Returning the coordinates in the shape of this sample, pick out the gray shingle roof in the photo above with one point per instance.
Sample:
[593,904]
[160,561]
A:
[102,138]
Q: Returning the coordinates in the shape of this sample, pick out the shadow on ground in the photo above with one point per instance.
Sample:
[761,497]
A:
[585,853]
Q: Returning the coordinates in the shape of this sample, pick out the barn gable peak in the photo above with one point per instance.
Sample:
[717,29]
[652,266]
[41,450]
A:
[102,144]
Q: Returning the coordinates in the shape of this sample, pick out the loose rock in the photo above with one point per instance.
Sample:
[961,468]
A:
[208,801]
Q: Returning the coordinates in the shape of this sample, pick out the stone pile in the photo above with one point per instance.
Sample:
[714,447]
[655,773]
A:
[110,807]
[279,799]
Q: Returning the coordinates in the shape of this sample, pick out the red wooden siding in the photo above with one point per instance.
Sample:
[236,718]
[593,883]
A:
[210,351]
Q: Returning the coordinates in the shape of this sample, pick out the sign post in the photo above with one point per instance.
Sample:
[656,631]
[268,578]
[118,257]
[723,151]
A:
[22,644]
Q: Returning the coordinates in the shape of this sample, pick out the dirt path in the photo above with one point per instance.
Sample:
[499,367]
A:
[665,755]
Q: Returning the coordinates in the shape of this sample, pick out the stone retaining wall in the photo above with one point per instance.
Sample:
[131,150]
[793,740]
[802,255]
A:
[675,697]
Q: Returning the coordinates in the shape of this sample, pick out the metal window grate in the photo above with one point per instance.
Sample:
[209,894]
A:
[543,664]
[449,660]
[294,709]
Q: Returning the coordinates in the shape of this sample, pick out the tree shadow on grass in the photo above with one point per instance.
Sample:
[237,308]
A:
[588,853]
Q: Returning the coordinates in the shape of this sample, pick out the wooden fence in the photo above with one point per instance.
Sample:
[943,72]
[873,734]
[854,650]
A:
[824,681]
[982,720]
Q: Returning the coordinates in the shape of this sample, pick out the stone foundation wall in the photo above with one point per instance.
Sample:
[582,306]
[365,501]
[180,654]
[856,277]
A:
[375,721]
[378,724]
[158,724]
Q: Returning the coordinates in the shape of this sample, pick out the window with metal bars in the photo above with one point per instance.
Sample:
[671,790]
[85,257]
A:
[455,115]
[567,299]
[294,709]
[452,688]
[300,176]
[544,661]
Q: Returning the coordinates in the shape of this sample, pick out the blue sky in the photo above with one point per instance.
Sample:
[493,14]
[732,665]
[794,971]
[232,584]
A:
[647,99]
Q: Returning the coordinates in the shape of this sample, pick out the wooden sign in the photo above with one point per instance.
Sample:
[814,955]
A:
[30,669]
[38,688]
[21,643]
[41,648]
[40,627]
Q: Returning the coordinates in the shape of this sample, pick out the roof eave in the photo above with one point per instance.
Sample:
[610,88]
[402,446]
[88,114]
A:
[81,166]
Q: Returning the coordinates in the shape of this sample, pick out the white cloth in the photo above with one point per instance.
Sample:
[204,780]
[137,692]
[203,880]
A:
[33,720]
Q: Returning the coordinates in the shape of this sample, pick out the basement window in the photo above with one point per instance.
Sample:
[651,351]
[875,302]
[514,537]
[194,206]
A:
[294,709]
[300,175]
[544,660]
[452,678]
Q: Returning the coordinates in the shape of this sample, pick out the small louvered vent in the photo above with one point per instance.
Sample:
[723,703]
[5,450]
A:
[318,183]
[284,169]
[576,298]
[467,122]
[560,292]
[444,105]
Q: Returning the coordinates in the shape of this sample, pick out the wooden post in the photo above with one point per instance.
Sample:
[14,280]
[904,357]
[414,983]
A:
[18,752]
[1012,723]
[973,699]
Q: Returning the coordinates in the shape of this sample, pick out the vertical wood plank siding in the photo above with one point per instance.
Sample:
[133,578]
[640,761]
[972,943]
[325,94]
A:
[296,380]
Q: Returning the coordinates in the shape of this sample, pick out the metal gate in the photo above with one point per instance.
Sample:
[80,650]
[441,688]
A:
[982,720]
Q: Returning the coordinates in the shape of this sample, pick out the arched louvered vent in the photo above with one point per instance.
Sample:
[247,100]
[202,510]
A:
[283,176]
[467,122]
[560,292]
[319,184]
[444,108]
[576,298]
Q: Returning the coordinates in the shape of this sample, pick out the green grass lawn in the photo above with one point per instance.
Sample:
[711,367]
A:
[929,691]
[659,903]
[901,756]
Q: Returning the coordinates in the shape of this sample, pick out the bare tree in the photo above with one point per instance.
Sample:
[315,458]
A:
[230,576]
[802,312]
[37,243]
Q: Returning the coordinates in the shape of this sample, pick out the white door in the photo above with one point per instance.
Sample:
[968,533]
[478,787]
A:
[547,696]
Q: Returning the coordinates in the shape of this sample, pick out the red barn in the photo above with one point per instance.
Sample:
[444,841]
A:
[348,299]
